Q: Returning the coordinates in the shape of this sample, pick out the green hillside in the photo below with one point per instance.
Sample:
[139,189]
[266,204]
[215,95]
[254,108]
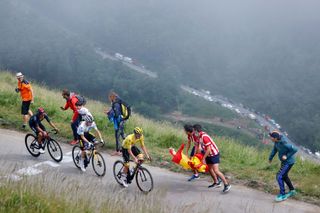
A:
[266,68]
[239,162]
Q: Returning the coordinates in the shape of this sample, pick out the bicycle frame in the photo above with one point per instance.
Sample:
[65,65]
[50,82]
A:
[138,165]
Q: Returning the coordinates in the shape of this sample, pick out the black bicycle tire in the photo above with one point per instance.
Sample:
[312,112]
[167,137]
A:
[145,171]
[73,157]
[93,164]
[27,145]
[114,172]
[56,144]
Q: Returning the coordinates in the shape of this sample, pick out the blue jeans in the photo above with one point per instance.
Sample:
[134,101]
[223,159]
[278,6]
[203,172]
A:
[119,131]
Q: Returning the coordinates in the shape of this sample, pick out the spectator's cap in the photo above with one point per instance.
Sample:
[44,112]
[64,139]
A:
[19,75]
[275,134]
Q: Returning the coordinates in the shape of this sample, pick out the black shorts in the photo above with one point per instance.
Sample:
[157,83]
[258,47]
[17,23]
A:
[36,130]
[126,155]
[25,107]
[213,159]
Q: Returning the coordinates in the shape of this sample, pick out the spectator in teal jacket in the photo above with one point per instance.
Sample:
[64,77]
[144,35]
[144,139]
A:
[286,153]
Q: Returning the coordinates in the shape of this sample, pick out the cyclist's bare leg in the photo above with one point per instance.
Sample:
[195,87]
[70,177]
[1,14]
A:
[40,136]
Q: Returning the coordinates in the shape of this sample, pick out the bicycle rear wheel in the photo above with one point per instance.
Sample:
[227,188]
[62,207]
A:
[118,173]
[144,180]
[76,155]
[98,164]
[54,150]
[32,145]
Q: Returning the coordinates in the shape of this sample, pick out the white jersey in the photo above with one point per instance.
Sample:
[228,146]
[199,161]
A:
[84,128]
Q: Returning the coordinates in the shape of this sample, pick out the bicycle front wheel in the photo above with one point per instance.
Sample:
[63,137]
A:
[32,145]
[98,164]
[54,150]
[76,155]
[118,173]
[144,180]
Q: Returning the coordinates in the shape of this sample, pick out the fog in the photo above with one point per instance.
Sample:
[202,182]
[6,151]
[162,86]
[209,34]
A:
[264,54]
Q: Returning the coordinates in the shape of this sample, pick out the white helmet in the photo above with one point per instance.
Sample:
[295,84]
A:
[19,75]
[88,118]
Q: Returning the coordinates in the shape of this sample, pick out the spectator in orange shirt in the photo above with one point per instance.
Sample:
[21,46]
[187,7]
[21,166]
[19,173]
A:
[26,93]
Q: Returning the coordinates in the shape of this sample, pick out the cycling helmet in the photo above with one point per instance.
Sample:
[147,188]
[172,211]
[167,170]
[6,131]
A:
[138,130]
[88,118]
[41,110]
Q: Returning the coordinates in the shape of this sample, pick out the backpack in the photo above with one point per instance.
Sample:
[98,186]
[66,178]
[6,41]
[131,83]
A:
[125,110]
[81,99]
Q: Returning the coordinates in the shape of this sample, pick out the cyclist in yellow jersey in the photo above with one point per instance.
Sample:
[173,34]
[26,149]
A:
[129,149]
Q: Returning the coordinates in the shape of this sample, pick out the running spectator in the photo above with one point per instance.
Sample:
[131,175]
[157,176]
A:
[71,101]
[286,153]
[192,138]
[211,158]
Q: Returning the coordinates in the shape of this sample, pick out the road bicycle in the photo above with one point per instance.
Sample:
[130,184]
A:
[54,149]
[144,179]
[98,163]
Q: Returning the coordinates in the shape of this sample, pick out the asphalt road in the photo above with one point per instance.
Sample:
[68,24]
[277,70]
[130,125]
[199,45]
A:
[178,191]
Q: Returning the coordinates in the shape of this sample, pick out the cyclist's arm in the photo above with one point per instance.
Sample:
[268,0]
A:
[132,155]
[84,138]
[49,121]
[53,126]
[97,130]
[145,151]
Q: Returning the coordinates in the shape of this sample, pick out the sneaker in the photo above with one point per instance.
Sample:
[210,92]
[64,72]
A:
[41,149]
[226,188]
[280,197]
[291,193]
[215,185]
[24,126]
[74,142]
[124,183]
[194,177]
[82,167]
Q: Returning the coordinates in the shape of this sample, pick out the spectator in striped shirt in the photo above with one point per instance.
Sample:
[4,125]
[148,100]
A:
[211,158]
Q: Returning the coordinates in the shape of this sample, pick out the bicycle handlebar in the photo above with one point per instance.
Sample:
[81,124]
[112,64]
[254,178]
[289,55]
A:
[100,143]
[54,131]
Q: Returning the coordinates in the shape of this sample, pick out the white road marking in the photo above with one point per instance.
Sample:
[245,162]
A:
[29,171]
